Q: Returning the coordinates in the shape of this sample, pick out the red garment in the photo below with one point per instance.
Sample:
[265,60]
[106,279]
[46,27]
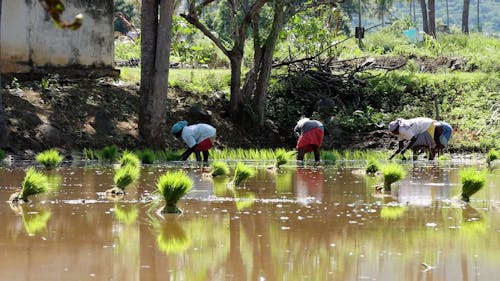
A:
[310,138]
[204,145]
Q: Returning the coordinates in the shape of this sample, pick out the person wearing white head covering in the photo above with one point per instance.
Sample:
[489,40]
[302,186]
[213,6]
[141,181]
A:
[418,131]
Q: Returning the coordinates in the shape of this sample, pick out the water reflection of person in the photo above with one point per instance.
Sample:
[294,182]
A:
[309,184]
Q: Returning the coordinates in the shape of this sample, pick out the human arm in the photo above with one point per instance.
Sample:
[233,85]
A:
[402,148]
[184,156]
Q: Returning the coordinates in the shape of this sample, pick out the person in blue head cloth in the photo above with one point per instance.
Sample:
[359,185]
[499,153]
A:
[198,137]
[442,135]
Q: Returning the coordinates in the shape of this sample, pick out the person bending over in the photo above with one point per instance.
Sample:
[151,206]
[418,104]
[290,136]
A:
[310,135]
[198,138]
[418,131]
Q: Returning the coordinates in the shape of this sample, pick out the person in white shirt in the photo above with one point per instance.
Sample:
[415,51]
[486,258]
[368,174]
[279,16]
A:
[418,131]
[198,137]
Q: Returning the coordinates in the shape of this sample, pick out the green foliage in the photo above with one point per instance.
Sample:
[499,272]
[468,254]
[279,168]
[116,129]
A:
[89,154]
[241,173]
[173,186]
[392,172]
[34,183]
[108,153]
[126,176]
[129,158]
[219,168]
[372,166]
[282,157]
[491,156]
[472,181]
[125,51]
[49,158]
[2,155]
[148,156]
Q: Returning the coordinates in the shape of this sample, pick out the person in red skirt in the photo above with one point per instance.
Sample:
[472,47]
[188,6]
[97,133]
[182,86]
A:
[310,134]
[198,137]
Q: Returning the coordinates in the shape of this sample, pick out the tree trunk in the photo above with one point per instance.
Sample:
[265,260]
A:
[432,18]
[478,23]
[236,99]
[266,63]
[465,17]
[3,126]
[425,21]
[155,53]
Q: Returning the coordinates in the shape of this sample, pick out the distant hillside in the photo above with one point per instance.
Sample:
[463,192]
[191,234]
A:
[489,14]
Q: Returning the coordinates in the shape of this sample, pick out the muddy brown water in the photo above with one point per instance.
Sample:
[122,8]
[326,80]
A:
[291,224]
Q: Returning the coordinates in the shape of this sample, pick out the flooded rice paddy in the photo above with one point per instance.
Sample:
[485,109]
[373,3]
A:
[290,224]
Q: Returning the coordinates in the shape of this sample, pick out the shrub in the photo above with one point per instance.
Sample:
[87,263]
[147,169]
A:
[472,181]
[392,172]
[173,186]
[49,158]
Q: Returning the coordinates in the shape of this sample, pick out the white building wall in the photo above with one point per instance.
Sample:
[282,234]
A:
[30,39]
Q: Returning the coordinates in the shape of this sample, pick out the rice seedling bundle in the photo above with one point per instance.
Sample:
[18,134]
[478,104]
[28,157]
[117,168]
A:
[34,183]
[472,181]
[125,176]
[492,155]
[372,166]
[49,158]
[392,172]
[129,158]
[109,153]
[241,173]
[281,158]
[219,168]
[173,186]
[148,156]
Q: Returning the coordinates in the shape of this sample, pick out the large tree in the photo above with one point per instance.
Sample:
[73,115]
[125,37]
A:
[465,17]
[247,18]
[156,26]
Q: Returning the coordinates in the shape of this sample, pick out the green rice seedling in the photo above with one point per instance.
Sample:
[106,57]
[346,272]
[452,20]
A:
[444,157]
[329,156]
[49,158]
[89,154]
[148,156]
[168,155]
[126,216]
[126,176]
[241,173]
[129,158]
[392,172]
[219,168]
[34,183]
[282,158]
[372,166]
[472,181]
[173,186]
[108,154]
[491,156]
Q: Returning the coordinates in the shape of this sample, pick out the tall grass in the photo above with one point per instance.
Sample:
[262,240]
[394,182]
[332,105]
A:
[173,186]
[472,181]
[392,172]
[49,158]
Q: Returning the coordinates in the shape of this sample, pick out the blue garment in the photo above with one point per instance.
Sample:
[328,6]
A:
[446,135]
